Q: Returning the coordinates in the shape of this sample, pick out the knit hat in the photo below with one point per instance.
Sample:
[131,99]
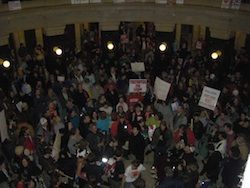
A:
[43,120]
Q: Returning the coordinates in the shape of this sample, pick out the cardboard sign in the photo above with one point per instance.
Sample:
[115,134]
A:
[209,98]
[137,85]
[137,67]
[161,88]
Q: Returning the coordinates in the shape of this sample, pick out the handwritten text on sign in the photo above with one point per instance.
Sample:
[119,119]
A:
[137,85]
[209,98]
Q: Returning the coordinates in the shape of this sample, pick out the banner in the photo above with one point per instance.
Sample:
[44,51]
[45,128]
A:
[137,67]
[209,98]
[124,39]
[137,85]
[79,1]
[236,4]
[14,5]
[225,4]
[95,1]
[3,127]
[161,88]
[161,1]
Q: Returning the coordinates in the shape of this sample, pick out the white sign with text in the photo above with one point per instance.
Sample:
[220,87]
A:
[209,98]
[137,85]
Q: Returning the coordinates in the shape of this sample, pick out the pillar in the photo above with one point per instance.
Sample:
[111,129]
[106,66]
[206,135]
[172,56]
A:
[22,37]
[86,26]
[240,40]
[78,36]
[195,36]
[203,32]
[39,36]
[178,34]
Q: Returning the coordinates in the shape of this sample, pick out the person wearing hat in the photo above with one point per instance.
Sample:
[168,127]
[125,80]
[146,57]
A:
[43,132]
[135,140]
[121,130]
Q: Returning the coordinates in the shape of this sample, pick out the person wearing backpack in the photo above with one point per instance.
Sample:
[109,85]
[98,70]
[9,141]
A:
[115,170]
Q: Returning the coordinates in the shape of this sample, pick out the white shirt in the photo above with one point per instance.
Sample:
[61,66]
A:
[221,146]
[132,175]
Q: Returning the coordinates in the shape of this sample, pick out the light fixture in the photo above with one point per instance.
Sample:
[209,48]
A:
[110,45]
[58,51]
[6,64]
[163,46]
[216,54]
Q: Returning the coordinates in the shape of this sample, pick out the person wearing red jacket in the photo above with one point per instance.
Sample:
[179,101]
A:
[185,135]
[121,129]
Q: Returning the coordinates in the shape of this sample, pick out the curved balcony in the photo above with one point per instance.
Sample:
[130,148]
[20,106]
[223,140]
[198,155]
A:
[54,13]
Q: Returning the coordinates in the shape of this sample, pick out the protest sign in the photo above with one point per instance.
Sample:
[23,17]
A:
[137,67]
[209,98]
[3,127]
[137,85]
[161,88]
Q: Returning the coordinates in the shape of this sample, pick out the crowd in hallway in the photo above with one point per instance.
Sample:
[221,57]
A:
[64,119]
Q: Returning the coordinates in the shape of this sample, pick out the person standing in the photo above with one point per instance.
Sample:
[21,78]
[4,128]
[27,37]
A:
[162,140]
[132,173]
[135,140]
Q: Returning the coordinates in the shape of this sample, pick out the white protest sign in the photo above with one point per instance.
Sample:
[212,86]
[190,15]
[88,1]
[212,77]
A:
[137,67]
[137,85]
[198,45]
[3,127]
[60,78]
[161,88]
[14,5]
[209,98]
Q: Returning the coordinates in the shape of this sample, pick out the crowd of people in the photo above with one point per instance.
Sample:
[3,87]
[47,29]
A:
[63,123]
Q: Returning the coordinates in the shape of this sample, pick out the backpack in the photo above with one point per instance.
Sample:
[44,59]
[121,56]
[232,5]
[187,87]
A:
[110,168]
